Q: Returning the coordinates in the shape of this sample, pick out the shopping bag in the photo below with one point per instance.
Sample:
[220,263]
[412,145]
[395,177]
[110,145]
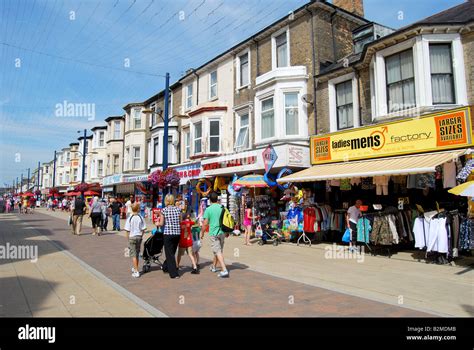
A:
[346,237]
[70,220]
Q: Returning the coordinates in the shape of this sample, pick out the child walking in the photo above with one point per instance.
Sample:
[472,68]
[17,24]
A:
[186,244]
[135,227]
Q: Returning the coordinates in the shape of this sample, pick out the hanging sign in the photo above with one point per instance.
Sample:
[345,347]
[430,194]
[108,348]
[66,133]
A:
[269,158]
[447,130]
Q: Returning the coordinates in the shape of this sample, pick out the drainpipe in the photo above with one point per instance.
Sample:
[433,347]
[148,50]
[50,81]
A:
[258,57]
[315,82]
[357,76]
[333,37]
[197,89]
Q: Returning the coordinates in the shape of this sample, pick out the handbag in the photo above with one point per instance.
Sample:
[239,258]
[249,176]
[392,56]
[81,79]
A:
[346,237]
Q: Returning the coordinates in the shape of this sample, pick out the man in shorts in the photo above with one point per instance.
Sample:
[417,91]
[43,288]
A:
[212,217]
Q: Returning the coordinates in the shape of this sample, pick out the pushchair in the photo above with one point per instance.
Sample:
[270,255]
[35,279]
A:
[152,250]
[265,232]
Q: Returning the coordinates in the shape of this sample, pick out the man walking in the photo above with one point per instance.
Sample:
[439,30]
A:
[115,206]
[212,217]
[78,213]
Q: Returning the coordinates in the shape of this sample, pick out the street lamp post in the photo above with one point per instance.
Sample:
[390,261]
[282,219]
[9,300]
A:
[84,157]
[166,119]
[54,169]
[28,181]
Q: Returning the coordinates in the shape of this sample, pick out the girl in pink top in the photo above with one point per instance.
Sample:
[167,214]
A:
[248,223]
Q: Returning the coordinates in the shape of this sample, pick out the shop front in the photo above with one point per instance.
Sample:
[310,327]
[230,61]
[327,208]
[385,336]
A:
[401,171]
[270,162]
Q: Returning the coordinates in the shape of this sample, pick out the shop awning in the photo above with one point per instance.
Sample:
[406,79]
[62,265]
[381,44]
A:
[404,165]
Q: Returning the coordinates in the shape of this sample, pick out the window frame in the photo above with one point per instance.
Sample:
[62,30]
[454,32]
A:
[285,93]
[240,84]
[117,122]
[137,117]
[212,120]
[189,97]
[272,97]
[276,35]
[187,143]
[239,128]
[401,81]
[453,88]
[215,97]
[134,158]
[99,171]
[351,103]
[197,138]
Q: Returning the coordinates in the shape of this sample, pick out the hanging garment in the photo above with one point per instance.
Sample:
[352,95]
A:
[400,227]
[393,228]
[381,234]
[438,236]
[425,181]
[309,219]
[466,235]
[449,174]
[335,183]
[345,185]
[355,181]
[411,181]
[381,185]
[399,183]
[367,184]
[363,230]
[466,171]
[421,229]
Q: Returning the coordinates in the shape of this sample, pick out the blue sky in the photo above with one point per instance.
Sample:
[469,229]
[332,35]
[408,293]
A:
[112,52]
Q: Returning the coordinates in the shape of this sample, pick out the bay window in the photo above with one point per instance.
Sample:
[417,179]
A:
[291,113]
[116,163]
[268,119]
[442,81]
[101,139]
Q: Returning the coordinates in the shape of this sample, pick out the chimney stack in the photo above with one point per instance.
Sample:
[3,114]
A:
[354,6]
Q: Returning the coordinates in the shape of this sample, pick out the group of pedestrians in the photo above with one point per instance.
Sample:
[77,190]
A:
[176,228]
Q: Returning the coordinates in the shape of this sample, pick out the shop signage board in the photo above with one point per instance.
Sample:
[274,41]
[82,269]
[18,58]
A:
[155,214]
[269,158]
[136,178]
[112,180]
[188,172]
[440,131]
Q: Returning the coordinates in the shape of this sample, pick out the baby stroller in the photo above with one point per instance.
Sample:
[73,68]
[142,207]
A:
[152,250]
[266,232]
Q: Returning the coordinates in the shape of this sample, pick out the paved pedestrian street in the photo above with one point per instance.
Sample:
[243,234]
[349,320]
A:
[90,276]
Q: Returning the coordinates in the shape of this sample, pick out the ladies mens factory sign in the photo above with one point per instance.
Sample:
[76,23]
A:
[447,130]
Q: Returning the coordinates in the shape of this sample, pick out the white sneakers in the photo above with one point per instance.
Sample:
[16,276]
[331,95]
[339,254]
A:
[135,273]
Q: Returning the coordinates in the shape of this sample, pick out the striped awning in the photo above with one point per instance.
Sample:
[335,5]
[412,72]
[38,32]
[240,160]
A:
[403,165]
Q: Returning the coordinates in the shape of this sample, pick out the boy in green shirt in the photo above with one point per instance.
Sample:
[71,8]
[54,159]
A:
[212,217]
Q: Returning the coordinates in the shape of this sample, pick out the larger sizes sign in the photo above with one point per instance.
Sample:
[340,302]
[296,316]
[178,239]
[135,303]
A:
[447,130]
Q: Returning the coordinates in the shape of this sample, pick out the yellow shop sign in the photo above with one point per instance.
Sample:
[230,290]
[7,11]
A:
[447,130]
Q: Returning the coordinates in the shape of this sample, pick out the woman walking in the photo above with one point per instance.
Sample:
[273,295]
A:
[95,215]
[248,223]
[170,218]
